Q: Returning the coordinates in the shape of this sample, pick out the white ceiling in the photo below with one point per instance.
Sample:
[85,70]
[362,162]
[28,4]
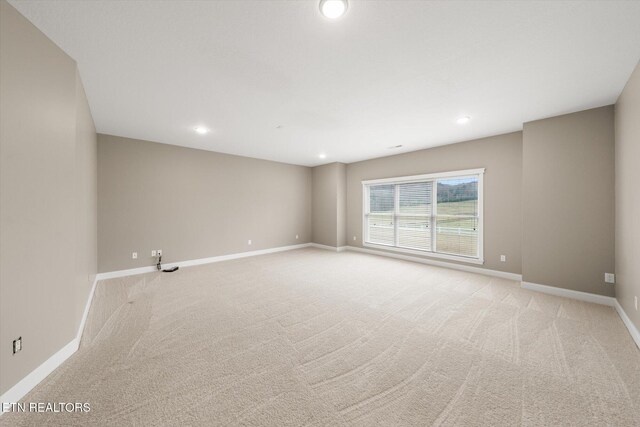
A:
[387,73]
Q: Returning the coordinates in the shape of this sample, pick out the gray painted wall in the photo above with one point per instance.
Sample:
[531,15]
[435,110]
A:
[501,156]
[86,182]
[329,204]
[47,197]
[568,201]
[193,203]
[324,205]
[341,204]
[627,128]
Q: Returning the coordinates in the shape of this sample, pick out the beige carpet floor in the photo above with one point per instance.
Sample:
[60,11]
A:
[311,337]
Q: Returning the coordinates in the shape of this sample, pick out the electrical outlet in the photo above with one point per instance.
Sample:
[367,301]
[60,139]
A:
[297,237]
[153,253]
[635,301]
[503,258]
[354,237]
[609,278]
[17,345]
[134,255]
[249,242]
[159,252]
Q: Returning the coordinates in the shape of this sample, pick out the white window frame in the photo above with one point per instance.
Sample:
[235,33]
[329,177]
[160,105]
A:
[420,178]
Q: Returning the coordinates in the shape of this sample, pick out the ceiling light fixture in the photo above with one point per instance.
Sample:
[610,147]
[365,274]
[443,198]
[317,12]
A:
[201,130]
[322,156]
[463,120]
[333,9]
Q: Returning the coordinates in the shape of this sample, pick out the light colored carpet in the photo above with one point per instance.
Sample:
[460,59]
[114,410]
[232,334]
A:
[311,337]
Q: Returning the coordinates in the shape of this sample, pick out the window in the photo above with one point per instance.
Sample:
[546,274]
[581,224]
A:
[437,214]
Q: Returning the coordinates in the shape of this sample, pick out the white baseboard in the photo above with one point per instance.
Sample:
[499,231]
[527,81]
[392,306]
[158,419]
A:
[124,273]
[329,248]
[24,386]
[467,268]
[200,261]
[18,391]
[85,314]
[568,293]
[588,297]
[635,334]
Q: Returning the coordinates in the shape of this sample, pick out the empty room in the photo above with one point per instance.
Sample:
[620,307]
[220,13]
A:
[319,212]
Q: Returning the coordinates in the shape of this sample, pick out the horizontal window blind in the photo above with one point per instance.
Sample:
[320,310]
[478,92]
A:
[381,218]
[437,215]
[414,215]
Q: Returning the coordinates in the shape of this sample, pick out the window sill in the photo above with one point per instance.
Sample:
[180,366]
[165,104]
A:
[467,260]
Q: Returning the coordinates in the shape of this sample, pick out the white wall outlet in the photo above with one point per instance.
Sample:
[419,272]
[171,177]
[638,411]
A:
[297,237]
[609,277]
[153,253]
[159,252]
[17,345]
[503,258]
[134,255]
[635,301]
[354,238]
[249,242]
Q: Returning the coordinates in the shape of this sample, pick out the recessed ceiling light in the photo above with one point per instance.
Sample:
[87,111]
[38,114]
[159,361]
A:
[201,130]
[322,156]
[462,120]
[333,9]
